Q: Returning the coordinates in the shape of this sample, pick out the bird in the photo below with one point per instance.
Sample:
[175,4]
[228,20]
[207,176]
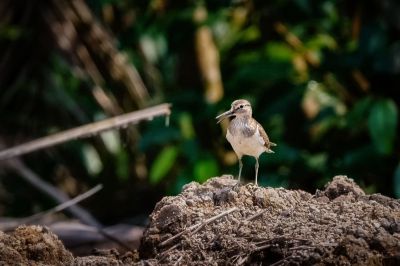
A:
[245,134]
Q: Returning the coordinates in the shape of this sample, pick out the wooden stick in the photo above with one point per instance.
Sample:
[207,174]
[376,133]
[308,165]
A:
[254,216]
[262,247]
[86,130]
[195,228]
[58,195]
[212,219]
[179,260]
[63,205]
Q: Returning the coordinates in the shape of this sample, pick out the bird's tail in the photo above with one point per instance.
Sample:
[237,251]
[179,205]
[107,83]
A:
[271,144]
[268,150]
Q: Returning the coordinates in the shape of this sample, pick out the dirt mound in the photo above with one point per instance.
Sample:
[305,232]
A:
[220,223]
[32,245]
[36,245]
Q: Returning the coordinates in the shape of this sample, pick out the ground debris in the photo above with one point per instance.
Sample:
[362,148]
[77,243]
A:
[33,245]
[273,226]
[36,245]
[223,223]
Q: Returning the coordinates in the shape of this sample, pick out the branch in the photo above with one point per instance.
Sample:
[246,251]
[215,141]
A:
[86,130]
[59,196]
[56,194]
[197,227]
[63,205]
[256,215]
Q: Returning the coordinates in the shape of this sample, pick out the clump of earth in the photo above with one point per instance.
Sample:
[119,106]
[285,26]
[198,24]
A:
[220,222]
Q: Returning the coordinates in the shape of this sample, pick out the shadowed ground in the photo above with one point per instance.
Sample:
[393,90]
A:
[218,223]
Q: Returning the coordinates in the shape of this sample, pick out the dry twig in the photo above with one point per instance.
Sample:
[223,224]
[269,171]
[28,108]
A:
[179,260]
[262,247]
[258,214]
[63,205]
[59,196]
[286,260]
[197,227]
[56,194]
[86,130]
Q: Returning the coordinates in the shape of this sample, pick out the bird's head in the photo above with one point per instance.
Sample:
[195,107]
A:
[238,108]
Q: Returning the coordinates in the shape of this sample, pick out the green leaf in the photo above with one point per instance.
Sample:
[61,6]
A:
[205,169]
[250,34]
[10,32]
[321,41]
[357,116]
[382,124]
[317,161]
[279,51]
[163,164]
[186,125]
[92,160]
[122,165]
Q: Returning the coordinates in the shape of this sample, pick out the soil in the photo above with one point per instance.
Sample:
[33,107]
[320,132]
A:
[223,223]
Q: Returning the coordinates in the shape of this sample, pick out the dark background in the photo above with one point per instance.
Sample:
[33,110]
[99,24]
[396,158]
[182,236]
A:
[323,78]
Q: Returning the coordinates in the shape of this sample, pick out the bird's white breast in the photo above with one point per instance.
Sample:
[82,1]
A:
[242,145]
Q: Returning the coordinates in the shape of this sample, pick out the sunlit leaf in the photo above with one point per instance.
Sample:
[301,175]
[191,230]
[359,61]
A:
[92,160]
[317,161]
[111,140]
[205,169]
[163,163]
[154,46]
[322,41]
[330,10]
[279,51]
[382,125]
[186,125]
[316,98]
[250,34]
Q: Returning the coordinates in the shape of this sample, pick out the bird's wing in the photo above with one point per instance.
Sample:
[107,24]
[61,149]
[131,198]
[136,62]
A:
[264,136]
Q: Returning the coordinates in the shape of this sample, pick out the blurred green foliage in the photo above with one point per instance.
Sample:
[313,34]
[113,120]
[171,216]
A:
[322,77]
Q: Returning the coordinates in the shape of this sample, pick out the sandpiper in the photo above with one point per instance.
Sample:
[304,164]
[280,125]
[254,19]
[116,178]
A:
[245,134]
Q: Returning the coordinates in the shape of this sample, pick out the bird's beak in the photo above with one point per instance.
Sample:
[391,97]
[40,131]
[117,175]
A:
[224,115]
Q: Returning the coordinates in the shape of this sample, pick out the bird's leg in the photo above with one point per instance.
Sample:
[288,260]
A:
[256,166]
[240,168]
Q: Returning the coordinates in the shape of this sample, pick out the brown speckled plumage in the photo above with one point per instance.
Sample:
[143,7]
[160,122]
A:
[245,134]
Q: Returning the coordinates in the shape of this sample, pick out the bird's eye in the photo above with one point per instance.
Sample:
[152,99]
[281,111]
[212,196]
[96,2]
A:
[241,106]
